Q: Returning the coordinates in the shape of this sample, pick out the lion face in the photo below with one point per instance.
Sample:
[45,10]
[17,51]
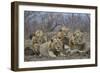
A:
[56,44]
[76,39]
[39,33]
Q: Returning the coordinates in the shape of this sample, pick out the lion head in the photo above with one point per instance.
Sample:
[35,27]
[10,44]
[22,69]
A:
[56,44]
[39,33]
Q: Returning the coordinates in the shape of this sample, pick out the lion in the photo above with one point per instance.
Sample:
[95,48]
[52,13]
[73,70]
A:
[37,39]
[52,48]
[76,40]
[41,38]
[62,32]
[63,35]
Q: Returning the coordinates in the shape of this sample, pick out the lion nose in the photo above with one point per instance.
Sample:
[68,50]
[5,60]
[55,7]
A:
[58,47]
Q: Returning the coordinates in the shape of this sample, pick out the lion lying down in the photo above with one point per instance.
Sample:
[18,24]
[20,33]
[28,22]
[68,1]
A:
[52,48]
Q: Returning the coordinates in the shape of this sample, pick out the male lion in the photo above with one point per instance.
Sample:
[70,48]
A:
[76,40]
[63,35]
[37,40]
[52,48]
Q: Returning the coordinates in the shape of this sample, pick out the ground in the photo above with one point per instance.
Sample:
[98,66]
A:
[67,57]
